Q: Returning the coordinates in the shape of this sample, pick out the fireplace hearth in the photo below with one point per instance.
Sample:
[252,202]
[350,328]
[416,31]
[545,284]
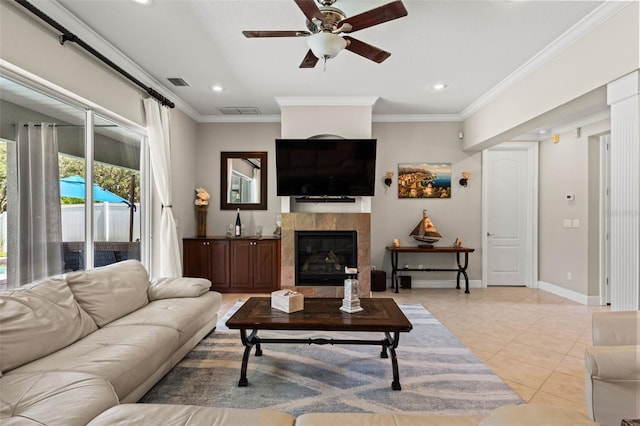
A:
[321,256]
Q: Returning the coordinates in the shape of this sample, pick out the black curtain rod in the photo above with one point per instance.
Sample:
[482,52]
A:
[69,36]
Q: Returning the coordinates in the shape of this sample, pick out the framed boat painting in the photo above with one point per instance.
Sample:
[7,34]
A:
[424,180]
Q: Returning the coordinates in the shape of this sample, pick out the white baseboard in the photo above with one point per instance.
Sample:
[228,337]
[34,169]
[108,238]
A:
[569,294]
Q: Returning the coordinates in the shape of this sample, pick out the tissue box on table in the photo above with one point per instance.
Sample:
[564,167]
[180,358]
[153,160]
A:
[287,301]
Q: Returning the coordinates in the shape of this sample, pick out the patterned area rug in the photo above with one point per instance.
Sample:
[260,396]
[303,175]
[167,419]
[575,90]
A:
[438,374]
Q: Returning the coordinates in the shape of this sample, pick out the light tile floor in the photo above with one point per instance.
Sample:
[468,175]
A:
[532,339]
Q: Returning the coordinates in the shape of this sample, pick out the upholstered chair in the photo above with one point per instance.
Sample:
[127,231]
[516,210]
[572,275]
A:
[612,377]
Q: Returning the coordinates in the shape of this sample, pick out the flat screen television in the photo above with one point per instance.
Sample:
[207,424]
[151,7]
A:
[325,167]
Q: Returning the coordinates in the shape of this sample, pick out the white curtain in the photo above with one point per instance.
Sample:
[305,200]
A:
[158,127]
[35,236]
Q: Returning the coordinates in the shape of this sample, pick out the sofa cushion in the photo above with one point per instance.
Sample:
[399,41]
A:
[38,319]
[54,398]
[190,415]
[370,419]
[535,415]
[112,291]
[186,315]
[126,356]
[168,288]
[616,328]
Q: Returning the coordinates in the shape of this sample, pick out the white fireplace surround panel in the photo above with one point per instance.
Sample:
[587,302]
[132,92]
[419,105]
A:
[289,205]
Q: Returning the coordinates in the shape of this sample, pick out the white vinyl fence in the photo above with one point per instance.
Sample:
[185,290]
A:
[111,222]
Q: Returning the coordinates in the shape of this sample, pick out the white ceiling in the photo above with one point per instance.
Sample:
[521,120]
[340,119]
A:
[472,46]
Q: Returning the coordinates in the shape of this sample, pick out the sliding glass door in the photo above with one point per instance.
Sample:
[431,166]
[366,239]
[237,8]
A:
[54,156]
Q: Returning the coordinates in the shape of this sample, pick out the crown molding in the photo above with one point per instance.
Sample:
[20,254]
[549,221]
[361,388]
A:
[573,34]
[376,118]
[60,14]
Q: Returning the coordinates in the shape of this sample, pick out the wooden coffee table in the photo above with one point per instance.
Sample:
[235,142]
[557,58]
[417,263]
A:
[321,314]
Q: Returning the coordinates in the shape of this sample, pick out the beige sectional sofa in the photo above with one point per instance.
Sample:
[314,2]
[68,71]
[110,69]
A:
[189,415]
[83,348]
[75,345]
[612,379]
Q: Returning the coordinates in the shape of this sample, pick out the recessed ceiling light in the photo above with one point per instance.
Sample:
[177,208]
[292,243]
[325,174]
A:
[143,1]
[217,88]
[439,86]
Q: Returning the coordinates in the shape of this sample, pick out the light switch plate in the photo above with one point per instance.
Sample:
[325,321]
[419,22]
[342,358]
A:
[566,223]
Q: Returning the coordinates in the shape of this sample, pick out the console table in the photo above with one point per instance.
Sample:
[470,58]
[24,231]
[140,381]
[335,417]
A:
[461,269]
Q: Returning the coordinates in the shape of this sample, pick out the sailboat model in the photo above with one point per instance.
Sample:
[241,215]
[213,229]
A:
[426,232]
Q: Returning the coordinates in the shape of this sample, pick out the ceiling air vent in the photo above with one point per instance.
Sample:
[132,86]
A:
[240,110]
[177,81]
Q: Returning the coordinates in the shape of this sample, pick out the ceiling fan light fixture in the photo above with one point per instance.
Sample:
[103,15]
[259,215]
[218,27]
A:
[326,45]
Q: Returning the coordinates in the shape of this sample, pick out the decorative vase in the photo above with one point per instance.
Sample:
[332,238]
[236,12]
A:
[202,221]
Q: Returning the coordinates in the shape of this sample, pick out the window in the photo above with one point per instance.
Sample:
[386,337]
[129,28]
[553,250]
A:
[49,149]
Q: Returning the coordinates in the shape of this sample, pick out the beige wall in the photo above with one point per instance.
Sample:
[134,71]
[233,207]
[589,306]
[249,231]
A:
[570,167]
[33,46]
[458,216]
[213,138]
[390,217]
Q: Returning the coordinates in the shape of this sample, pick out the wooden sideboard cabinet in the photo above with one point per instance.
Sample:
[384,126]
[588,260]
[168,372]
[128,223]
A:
[207,258]
[242,265]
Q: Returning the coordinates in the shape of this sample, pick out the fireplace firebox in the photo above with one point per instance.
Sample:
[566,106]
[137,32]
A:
[321,256]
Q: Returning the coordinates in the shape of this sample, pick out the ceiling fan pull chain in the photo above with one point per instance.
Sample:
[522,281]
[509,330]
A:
[325,64]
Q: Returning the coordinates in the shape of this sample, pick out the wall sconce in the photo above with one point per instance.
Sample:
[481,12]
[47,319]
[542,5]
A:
[387,178]
[465,179]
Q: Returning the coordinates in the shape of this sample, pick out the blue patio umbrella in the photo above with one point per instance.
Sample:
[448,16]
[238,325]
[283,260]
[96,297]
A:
[73,186]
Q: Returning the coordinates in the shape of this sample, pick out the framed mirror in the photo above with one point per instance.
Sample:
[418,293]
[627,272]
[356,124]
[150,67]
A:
[243,180]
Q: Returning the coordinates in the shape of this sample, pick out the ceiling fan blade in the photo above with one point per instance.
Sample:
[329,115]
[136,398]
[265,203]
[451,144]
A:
[387,12]
[310,9]
[309,60]
[254,34]
[366,50]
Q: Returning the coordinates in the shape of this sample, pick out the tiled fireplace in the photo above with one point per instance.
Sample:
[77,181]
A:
[333,224]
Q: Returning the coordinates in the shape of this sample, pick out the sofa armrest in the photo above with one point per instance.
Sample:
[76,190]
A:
[616,328]
[169,288]
[613,362]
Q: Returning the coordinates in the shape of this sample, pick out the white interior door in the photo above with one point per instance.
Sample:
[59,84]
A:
[510,213]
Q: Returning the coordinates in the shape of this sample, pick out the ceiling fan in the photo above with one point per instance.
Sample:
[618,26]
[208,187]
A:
[326,24]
